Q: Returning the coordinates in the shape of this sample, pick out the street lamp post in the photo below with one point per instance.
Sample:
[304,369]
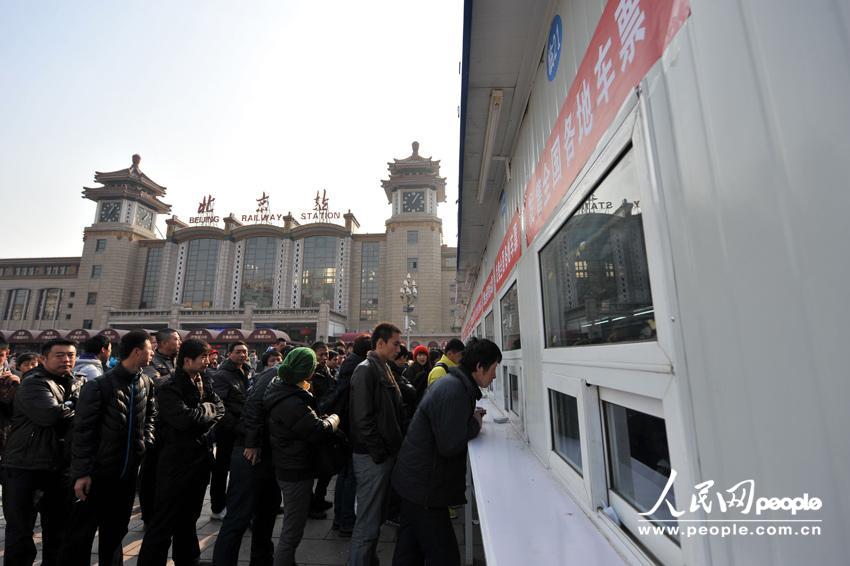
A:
[408,294]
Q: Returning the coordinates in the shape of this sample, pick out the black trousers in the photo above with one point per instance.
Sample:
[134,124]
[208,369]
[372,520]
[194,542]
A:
[107,511]
[322,483]
[26,493]
[179,498]
[425,536]
[147,484]
[218,484]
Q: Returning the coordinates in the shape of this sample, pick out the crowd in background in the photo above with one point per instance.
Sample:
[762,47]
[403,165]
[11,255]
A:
[83,433]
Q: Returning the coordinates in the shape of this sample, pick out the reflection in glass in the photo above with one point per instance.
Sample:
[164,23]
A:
[510,320]
[150,287]
[201,264]
[594,271]
[319,275]
[258,272]
[489,327]
[639,459]
[566,441]
[369,280]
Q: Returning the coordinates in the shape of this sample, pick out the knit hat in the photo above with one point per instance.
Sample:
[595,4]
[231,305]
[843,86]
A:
[298,365]
[420,349]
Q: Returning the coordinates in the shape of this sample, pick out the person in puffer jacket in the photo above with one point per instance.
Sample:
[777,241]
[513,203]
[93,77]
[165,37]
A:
[37,456]
[295,429]
[113,427]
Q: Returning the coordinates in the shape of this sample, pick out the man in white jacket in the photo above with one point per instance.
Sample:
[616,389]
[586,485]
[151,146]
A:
[94,358]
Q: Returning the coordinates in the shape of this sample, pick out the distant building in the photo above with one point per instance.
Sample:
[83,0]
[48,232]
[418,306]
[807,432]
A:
[303,274]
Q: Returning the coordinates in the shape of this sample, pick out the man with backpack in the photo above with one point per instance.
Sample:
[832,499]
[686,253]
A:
[113,427]
[452,357]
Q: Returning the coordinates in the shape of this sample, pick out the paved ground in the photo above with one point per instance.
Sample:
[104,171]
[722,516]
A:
[320,546]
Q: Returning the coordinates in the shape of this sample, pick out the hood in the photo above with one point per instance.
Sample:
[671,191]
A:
[88,362]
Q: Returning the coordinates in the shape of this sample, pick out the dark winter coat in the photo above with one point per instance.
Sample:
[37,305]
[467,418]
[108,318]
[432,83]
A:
[231,385]
[408,393]
[252,432]
[184,421]
[294,429]
[322,384]
[102,445]
[41,422]
[375,410]
[337,402]
[431,466]
[417,374]
[160,369]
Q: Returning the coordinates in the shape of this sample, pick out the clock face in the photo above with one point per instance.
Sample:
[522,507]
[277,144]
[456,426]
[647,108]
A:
[110,211]
[413,201]
[144,218]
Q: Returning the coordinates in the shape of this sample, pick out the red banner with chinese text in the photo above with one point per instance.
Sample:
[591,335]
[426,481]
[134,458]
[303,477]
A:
[630,37]
[509,253]
[481,305]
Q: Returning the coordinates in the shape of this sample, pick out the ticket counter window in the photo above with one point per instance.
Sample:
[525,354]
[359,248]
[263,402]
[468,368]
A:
[509,306]
[566,441]
[595,277]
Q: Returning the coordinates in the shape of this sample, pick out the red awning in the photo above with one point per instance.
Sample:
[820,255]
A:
[22,336]
[51,334]
[113,335]
[201,334]
[79,335]
[267,335]
[230,335]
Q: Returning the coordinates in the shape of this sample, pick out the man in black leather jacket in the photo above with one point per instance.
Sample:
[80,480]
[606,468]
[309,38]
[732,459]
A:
[162,365]
[113,426]
[230,383]
[37,456]
[376,435]
[187,409]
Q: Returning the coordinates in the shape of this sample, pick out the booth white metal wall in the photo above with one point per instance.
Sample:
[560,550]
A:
[742,135]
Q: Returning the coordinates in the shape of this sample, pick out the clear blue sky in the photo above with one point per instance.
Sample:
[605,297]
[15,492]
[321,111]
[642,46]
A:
[220,97]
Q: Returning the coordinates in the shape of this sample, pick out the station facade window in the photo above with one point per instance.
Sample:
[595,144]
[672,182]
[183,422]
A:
[369,286]
[258,272]
[48,304]
[201,265]
[318,277]
[150,286]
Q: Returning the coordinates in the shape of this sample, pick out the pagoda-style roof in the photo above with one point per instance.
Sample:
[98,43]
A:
[132,175]
[415,171]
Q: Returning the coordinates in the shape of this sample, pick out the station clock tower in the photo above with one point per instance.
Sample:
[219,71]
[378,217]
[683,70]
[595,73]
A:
[128,203]
[414,238]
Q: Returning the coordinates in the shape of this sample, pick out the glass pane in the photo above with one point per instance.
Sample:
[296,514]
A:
[489,327]
[513,383]
[201,263]
[510,320]
[594,270]
[151,281]
[566,441]
[369,280]
[258,272]
[639,458]
[319,276]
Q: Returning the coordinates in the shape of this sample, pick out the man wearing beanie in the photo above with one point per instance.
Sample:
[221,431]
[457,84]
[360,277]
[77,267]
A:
[376,435]
[295,429]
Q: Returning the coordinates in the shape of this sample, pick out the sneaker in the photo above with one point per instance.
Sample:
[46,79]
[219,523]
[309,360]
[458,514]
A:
[218,516]
[317,514]
[322,504]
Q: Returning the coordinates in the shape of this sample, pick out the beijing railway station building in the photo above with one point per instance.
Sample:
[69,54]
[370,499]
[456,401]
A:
[311,275]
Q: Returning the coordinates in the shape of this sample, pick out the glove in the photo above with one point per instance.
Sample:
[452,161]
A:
[332,421]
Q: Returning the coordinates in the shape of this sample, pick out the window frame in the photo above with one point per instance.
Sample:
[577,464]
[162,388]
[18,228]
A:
[633,370]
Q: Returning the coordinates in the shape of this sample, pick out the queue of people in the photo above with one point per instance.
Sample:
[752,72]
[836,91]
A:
[162,423]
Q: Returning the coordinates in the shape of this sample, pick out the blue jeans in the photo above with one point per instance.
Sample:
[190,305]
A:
[346,488]
[252,493]
[373,481]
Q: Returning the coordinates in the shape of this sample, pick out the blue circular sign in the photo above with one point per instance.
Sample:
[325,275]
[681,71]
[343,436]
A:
[553,47]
